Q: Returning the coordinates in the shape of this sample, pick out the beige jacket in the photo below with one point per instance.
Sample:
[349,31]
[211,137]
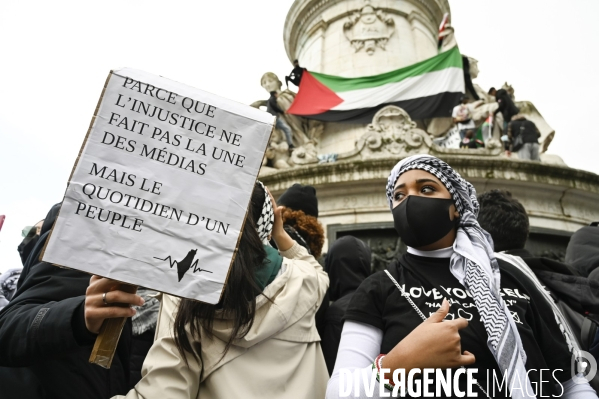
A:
[280,357]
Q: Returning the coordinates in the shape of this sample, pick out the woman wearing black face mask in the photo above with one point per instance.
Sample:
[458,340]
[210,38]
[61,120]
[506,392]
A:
[447,304]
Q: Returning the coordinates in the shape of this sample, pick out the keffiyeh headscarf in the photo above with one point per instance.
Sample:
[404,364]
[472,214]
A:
[267,217]
[474,265]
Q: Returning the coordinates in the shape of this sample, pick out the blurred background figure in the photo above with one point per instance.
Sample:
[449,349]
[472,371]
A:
[30,236]
[506,107]
[295,76]
[576,296]
[300,221]
[300,217]
[582,252]
[8,285]
[348,264]
[462,116]
[524,136]
[470,141]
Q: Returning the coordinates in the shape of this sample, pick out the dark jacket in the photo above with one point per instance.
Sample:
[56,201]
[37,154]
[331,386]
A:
[506,105]
[43,331]
[272,107]
[576,296]
[583,252]
[348,264]
[578,292]
[295,76]
[526,128]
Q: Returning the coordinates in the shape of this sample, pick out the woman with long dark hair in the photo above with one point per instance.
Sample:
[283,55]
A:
[259,341]
[450,304]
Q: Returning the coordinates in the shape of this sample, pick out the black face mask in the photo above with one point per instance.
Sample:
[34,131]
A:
[422,221]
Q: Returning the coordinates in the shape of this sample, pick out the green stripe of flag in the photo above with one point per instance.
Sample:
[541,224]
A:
[447,59]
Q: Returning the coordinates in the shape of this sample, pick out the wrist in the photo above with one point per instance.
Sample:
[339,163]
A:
[386,378]
[399,358]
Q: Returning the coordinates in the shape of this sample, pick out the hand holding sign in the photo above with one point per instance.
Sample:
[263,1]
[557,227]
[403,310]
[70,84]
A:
[163,179]
[433,344]
[104,300]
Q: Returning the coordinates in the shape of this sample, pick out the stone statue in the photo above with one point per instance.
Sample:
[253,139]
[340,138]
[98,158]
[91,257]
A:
[306,132]
[270,82]
[369,29]
[277,152]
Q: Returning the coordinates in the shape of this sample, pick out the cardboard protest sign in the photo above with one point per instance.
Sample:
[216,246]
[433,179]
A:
[159,193]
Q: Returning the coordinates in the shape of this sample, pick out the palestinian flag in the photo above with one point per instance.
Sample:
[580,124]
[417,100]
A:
[428,89]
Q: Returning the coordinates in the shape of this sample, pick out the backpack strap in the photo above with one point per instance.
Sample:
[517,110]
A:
[587,333]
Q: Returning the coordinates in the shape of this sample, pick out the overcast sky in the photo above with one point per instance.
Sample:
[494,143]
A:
[56,56]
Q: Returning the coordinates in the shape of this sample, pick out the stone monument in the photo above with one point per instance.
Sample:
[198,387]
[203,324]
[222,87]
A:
[349,163]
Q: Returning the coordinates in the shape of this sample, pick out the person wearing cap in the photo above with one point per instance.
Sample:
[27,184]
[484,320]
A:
[300,217]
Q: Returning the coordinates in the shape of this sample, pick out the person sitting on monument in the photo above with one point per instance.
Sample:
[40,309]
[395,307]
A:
[529,142]
[471,142]
[447,303]
[462,116]
[295,76]
[273,109]
[259,341]
[506,107]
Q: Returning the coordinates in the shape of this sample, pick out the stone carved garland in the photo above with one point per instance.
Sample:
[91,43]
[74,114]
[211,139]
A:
[369,28]
[392,132]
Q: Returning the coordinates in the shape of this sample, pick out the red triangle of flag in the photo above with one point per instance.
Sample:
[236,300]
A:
[313,97]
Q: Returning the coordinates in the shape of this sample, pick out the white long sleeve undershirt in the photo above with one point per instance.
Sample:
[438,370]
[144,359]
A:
[360,344]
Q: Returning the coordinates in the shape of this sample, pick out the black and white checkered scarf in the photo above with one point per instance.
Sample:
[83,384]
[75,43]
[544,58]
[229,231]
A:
[474,265]
[267,218]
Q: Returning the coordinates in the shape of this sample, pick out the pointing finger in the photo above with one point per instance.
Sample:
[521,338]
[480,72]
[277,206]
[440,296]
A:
[440,314]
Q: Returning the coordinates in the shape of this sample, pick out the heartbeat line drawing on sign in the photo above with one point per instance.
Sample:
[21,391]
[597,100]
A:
[184,265]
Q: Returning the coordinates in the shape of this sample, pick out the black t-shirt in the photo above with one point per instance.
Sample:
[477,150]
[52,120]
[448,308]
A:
[378,302]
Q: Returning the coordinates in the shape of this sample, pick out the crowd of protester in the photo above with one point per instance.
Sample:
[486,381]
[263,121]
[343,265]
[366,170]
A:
[287,327]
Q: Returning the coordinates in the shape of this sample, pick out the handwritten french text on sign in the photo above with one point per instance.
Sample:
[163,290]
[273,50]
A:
[159,193]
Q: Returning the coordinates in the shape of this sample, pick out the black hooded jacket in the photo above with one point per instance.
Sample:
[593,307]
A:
[564,282]
[506,105]
[574,294]
[583,252]
[42,331]
[348,264]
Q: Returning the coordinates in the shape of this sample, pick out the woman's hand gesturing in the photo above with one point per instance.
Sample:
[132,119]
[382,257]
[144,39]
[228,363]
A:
[433,344]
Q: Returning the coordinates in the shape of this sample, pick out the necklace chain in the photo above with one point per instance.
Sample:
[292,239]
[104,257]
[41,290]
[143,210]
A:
[405,295]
